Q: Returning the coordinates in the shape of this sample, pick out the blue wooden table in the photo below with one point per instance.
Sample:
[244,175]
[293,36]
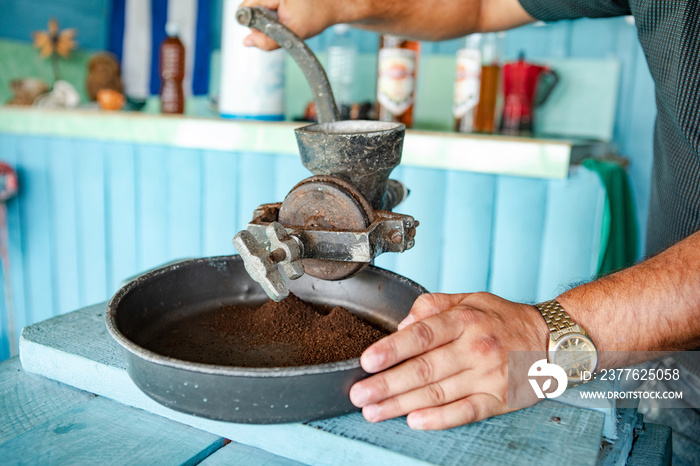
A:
[91,413]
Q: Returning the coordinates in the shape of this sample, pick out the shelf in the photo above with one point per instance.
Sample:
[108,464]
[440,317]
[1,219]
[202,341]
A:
[491,154]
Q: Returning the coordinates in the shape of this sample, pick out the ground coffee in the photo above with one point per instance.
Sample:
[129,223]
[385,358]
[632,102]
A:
[285,334]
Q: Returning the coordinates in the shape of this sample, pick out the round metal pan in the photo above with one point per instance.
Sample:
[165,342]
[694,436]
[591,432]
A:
[241,394]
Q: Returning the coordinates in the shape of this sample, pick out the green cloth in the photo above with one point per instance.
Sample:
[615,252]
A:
[619,236]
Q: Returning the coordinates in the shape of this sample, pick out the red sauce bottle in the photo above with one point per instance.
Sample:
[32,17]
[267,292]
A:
[172,72]
[396,81]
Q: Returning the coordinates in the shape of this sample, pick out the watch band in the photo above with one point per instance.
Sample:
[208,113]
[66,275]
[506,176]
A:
[556,318]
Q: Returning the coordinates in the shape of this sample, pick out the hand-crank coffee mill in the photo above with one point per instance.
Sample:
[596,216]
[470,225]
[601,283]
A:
[334,223]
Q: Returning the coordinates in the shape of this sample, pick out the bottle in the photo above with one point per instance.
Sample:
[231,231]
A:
[396,81]
[172,72]
[467,84]
[252,80]
[485,114]
[342,56]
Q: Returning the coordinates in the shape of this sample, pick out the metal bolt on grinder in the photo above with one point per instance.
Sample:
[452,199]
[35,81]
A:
[334,223]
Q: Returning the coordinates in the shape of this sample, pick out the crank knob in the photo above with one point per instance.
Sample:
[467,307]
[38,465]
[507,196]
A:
[259,265]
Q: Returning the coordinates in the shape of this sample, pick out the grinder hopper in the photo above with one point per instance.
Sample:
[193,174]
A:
[334,223]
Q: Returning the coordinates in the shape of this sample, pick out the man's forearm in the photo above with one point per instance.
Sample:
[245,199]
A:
[653,306]
[434,19]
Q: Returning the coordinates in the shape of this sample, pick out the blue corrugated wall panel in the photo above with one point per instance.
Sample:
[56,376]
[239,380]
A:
[91,214]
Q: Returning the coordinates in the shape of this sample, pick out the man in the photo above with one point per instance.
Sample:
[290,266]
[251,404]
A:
[448,363]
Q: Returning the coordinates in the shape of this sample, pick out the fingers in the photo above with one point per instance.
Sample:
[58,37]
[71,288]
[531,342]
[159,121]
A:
[257,38]
[260,40]
[411,341]
[430,304]
[441,393]
[417,372]
[464,411]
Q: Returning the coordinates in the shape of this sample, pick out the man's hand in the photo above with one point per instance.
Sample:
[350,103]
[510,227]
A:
[305,18]
[448,363]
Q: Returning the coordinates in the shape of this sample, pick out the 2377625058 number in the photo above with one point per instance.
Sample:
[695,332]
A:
[638,374]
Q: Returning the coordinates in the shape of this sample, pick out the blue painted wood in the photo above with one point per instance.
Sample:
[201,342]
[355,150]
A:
[9,154]
[91,214]
[184,203]
[288,171]
[467,227]
[90,231]
[152,214]
[101,431]
[35,219]
[571,243]
[426,203]
[28,401]
[237,453]
[64,184]
[120,201]
[517,237]
[219,202]
[256,185]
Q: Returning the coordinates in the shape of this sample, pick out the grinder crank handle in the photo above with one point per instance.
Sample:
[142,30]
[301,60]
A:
[265,21]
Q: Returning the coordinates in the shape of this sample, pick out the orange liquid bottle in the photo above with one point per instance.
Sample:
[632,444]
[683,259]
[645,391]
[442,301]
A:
[485,114]
[396,82]
[172,72]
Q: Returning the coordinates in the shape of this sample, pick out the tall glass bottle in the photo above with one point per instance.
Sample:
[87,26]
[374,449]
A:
[485,114]
[396,81]
[342,56]
[467,84]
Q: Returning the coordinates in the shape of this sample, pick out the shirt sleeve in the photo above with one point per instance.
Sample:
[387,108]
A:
[554,10]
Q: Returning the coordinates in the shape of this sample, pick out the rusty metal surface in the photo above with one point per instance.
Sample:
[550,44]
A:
[327,203]
[361,152]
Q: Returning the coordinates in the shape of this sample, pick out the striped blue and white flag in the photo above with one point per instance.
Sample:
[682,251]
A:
[137,30]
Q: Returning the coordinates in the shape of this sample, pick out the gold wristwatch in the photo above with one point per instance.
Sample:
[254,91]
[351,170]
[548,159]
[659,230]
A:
[569,346]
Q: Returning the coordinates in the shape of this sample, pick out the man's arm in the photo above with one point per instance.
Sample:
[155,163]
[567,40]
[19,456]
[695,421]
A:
[418,19]
[653,306]
[448,363]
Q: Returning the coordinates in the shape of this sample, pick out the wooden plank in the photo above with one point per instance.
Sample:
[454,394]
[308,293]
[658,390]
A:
[288,172]
[468,218]
[120,199]
[571,232]
[256,185]
[28,400]
[652,446]
[101,431]
[184,203]
[15,247]
[63,180]
[35,219]
[152,214]
[90,360]
[517,237]
[237,453]
[220,181]
[426,204]
[526,437]
[90,228]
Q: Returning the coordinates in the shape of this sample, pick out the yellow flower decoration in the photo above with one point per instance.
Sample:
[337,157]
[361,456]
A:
[55,41]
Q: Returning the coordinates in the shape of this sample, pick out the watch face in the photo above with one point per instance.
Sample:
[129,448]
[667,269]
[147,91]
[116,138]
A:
[574,353]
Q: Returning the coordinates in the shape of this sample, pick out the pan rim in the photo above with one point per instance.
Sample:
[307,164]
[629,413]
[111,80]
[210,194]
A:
[211,369]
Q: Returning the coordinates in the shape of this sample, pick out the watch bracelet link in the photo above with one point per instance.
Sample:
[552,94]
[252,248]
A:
[555,317]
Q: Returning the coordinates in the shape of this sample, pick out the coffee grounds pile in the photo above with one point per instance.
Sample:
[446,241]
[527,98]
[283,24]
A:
[285,334]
